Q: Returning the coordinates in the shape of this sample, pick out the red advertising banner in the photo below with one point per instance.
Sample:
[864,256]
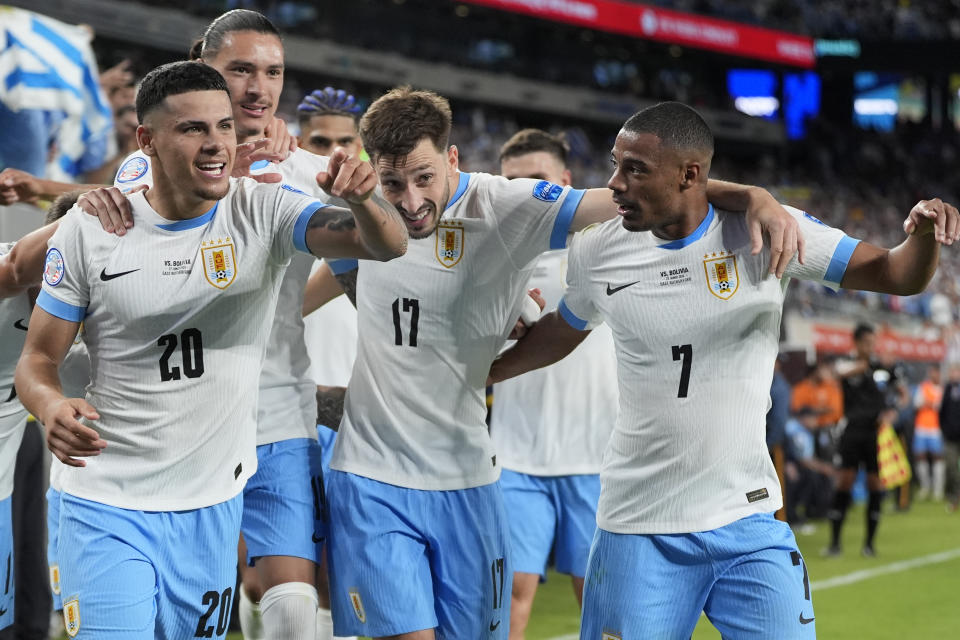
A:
[672,27]
[827,339]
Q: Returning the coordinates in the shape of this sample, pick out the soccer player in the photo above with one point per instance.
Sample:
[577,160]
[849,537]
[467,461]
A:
[550,426]
[282,508]
[418,534]
[686,512]
[174,322]
[328,119]
[21,264]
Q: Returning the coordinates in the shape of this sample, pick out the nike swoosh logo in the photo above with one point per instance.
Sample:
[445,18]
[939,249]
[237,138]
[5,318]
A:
[805,620]
[613,290]
[110,276]
[19,325]
[316,539]
[493,627]
[3,612]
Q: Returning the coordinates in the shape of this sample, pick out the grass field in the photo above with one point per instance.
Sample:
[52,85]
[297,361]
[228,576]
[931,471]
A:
[910,591]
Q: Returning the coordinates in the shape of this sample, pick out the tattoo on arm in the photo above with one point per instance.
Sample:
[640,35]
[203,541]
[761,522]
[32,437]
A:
[330,406]
[391,212]
[348,282]
[332,218]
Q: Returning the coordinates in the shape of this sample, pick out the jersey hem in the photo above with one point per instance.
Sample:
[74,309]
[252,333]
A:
[552,472]
[449,484]
[667,528]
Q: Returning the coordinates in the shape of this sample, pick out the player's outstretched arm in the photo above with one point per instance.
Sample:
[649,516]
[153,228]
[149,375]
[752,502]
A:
[23,266]
[20,186]
[374,231]
[907,268]
[765,217]
[549,340]
[38,386]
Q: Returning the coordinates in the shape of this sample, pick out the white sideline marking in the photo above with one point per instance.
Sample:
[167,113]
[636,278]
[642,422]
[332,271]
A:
[857,576]
[893,567]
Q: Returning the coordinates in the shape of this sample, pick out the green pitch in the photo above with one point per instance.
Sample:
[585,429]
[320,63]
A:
[910,590]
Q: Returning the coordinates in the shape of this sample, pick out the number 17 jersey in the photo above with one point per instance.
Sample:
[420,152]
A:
[176,317]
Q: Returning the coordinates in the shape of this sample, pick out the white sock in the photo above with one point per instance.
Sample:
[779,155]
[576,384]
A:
[939,478]
[290,611]
[324,624]
[251,622]
[923,475]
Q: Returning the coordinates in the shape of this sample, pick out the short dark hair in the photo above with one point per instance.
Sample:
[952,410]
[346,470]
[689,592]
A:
[233,20]
[399,119]
[862,329]
[532,140]
[678,126]
[173,79]
[60,206]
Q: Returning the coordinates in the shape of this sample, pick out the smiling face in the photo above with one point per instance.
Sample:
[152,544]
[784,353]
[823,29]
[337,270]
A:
[252,64]
[191,138]
[418,184]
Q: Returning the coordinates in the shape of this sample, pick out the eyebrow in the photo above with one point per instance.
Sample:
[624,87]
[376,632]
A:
[252,64]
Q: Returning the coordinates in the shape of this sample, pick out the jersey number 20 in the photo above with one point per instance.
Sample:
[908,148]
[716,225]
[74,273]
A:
[191,347]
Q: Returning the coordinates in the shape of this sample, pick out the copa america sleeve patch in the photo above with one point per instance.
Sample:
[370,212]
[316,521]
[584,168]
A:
[132,169]
[547,191]
[53,268]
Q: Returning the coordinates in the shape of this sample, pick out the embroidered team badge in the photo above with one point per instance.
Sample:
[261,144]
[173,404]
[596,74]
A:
[219,262]
[449,243]
[55,572]
[607,635]
[53,268]
[132,169]
[722,276]
[357,605]
[71,616]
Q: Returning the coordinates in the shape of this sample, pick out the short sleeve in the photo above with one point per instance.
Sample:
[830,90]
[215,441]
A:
[65,291]
[284,214]
[343,265]
[577,307]
[533,216]
[827,251]
[134,172]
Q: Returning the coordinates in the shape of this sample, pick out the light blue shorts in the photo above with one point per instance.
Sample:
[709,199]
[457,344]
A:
[748,577]
[326,437]
[928,443]
[53,533]
[140,575]
[284,507]
[403,559]
[6,562]
[547,512]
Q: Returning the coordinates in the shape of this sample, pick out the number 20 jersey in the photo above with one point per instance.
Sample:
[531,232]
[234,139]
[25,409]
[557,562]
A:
[176,317]
[430,324]
[696,323]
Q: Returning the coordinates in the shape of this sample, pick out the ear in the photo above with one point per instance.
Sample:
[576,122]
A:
[567,178]
[690,174]
[145,140]
[453,158]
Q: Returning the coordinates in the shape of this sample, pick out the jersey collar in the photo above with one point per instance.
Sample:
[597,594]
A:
[461,188]
[191,223]
[701,229]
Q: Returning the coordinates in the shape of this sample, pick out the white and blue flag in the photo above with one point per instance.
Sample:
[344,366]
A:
[49,66]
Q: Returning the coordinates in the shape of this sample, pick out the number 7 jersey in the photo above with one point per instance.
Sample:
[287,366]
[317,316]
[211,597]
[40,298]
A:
[430,324]
[176,317]
[696,323]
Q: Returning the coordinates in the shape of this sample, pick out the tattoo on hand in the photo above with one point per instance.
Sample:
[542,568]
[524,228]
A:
[348,282]
[330,405]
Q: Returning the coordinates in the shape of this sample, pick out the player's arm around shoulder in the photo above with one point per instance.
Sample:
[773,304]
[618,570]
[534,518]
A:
[371,229]
[907,268]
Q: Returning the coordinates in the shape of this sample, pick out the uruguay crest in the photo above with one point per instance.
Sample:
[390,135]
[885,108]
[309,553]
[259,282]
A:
[357,605]
[449,242]
[71,616]
[219,262]
[722,276]
[55,570]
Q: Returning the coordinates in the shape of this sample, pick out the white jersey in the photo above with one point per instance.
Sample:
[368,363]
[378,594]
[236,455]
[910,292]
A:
[331,336]
[14,319]
[287,406]
[696,323]
[431,323]
[176,317]
[556,421]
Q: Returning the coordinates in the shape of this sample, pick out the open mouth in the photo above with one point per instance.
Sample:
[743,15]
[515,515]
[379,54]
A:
[212,170]
[255,110]
[418,216]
